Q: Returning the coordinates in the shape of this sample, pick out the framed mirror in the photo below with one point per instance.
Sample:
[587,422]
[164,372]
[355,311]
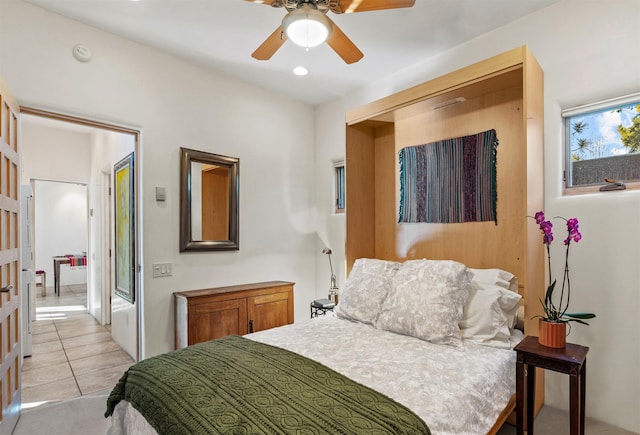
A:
[208,201]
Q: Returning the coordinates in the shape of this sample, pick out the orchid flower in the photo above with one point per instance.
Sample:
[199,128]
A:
[553,313]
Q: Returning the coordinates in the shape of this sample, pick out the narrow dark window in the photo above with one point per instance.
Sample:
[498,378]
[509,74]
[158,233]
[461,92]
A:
[339,186]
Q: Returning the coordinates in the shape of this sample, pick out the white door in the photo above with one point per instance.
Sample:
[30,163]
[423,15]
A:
[10,333]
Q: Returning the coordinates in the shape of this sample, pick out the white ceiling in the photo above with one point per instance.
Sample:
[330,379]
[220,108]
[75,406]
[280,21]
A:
[222,34]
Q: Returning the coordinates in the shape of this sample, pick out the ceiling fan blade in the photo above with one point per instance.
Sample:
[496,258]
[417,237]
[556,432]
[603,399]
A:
[270,45]
[342,45]
[349,6]
[264,2]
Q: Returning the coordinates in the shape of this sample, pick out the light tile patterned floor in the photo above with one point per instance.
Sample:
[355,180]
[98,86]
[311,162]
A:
[73,355]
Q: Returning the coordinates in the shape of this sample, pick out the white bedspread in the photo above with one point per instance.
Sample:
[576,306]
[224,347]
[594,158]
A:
[455,390]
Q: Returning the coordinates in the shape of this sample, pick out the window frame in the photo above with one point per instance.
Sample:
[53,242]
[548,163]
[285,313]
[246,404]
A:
[566,114]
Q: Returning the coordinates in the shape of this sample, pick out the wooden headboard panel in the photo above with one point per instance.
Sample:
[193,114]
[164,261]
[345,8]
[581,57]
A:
[505,93]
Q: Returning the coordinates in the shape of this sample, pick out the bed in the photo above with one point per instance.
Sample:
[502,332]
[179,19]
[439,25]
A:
[456,378]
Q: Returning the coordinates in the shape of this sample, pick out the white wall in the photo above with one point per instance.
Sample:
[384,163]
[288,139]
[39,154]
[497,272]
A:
[60,229]
[108,148]
[50,153]
[589,51]
[178,104]
[53,154]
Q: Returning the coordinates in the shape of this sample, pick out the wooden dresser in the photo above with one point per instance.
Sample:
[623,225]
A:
[207,314]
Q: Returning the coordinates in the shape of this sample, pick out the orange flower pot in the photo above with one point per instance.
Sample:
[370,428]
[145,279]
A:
[552,334]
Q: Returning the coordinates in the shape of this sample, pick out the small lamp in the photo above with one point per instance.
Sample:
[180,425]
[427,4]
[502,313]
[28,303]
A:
[306,26]
[333,289]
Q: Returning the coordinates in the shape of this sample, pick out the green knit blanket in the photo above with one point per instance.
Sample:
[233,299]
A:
[240,386]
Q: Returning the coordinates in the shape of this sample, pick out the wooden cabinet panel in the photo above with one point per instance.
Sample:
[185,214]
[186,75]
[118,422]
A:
[269,311]
[208,314]
[218,319]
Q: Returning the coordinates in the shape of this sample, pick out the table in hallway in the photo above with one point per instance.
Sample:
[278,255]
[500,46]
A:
[72,260]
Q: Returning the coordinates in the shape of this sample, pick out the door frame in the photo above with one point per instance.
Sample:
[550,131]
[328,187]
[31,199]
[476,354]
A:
[136,133]
[107,209]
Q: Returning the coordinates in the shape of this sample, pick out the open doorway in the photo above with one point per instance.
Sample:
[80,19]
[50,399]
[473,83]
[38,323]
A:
[60,224]
[68,163]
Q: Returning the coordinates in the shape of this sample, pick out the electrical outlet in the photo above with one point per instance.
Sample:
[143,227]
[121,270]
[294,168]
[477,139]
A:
[162,270]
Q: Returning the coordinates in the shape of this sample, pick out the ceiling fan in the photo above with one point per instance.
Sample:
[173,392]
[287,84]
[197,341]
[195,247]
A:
[306,24]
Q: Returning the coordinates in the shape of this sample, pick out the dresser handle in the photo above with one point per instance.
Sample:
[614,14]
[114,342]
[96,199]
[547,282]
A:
[6,289]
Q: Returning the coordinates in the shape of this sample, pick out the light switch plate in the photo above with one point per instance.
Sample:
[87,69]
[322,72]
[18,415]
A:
[162,270]
[161,194]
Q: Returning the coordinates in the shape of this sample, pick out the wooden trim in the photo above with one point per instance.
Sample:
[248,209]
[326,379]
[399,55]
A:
[246,290]
[360,196]
[8,98]
[81,121]
[585,190]
[533,118]
[491,67]
[504,416]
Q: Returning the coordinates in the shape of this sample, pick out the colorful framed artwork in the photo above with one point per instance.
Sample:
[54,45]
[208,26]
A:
[125,228]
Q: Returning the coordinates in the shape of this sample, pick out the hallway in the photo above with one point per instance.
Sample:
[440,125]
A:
[73,355]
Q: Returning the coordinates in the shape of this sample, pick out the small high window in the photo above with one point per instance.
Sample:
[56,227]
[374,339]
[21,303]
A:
[602,142]
[339,182]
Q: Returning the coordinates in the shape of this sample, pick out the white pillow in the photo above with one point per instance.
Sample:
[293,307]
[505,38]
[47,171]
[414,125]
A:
[365,289]
[426,300]
[489,315]
[498,277]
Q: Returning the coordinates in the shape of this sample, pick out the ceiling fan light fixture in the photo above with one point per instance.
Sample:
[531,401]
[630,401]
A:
[306,26]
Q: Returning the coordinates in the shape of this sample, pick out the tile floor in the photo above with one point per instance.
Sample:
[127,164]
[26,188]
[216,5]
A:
[73,355]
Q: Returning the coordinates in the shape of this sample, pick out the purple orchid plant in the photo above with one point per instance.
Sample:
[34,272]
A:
[552,312]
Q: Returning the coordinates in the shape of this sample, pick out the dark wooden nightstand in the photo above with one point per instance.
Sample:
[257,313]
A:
[571,360]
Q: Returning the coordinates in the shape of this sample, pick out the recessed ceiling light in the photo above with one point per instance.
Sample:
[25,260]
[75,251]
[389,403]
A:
[300,71]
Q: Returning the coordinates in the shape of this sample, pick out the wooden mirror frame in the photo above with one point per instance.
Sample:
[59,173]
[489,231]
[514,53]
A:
[187,156]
